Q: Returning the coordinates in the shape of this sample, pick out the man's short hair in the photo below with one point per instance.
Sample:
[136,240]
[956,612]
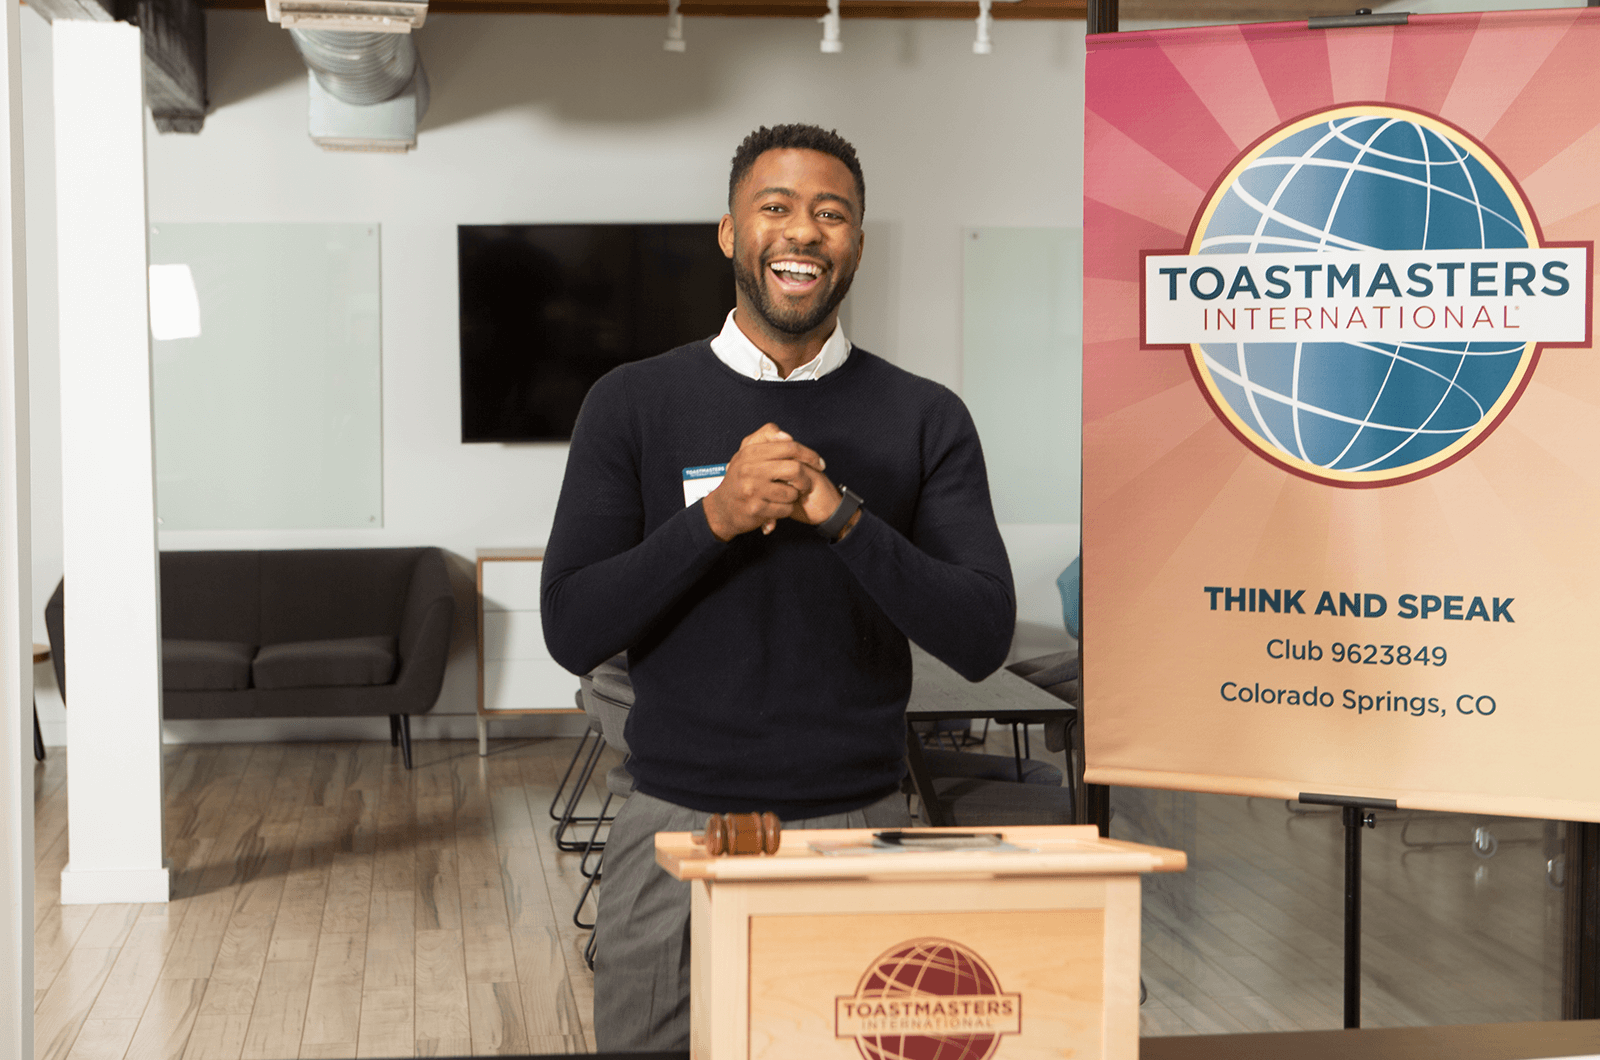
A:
[805,137]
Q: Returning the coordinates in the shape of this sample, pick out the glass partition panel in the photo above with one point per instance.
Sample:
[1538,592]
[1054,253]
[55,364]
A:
[1461,916]
[267,376]
[1022,366]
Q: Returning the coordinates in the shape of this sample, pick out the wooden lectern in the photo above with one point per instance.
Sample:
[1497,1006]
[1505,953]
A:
[911,955]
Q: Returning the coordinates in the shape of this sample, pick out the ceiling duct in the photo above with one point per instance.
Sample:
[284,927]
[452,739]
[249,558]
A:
[385,16]
[368,89]
[359,68]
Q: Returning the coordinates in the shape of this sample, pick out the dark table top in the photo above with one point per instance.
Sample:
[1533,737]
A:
[938,692]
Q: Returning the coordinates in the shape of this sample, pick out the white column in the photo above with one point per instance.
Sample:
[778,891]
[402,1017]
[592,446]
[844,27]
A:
[16,625]
[113,639]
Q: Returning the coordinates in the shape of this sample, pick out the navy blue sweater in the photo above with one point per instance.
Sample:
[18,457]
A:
[771,672]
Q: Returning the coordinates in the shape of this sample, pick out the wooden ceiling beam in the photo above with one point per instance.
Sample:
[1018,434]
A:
[174,63]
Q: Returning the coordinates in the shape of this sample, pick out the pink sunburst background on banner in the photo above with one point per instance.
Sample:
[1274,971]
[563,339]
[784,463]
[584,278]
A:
[1174,502]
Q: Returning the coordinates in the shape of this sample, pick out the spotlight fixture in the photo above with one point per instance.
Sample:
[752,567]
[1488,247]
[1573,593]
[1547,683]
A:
[831,43]
[982,45]
[674,41]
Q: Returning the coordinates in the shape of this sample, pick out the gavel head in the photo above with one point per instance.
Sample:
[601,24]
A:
[742,833]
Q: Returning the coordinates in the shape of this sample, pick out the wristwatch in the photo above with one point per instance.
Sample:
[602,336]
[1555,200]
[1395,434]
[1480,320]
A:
[849,503]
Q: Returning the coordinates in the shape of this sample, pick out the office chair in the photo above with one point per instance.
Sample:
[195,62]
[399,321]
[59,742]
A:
[607,696]
[1069,583]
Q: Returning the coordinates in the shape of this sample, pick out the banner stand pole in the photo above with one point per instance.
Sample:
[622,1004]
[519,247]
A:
[1101,15]
[1357,814]
[1580,879]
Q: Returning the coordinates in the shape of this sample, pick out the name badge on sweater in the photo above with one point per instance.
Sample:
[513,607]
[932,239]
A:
[699,481]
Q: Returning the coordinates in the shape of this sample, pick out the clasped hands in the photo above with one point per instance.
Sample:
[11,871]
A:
[771,477]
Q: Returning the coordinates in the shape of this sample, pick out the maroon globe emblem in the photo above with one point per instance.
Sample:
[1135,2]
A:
[932,969]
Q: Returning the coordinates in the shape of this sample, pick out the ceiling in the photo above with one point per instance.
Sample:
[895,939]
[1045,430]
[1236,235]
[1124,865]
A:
[1167,10]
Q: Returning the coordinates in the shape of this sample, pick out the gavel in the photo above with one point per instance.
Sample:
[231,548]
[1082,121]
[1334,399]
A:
[741,833]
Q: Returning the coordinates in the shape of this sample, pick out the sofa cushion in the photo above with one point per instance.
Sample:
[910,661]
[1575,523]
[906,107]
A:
[205,665]
[316,594]
[213,596]
[325,663]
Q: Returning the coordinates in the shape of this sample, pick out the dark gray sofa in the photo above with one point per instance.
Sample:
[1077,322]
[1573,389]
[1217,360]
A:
[298,634]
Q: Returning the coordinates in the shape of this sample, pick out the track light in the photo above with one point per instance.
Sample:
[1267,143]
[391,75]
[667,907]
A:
[674,41]
[830,29]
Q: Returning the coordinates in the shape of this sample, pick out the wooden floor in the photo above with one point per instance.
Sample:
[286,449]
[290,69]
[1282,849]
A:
[328,903]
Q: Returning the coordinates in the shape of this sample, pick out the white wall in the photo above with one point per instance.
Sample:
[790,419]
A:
[547,118]
[44,378]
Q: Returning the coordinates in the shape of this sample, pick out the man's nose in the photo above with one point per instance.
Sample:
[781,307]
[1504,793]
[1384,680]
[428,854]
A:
[802,229]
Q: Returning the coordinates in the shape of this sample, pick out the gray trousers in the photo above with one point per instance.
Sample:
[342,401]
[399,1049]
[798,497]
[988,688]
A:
[641,965]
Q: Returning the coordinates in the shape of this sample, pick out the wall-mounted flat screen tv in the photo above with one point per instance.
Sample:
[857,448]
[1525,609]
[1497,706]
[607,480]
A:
[548,309]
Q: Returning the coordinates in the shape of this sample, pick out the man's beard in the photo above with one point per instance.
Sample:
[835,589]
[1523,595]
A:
[780,317]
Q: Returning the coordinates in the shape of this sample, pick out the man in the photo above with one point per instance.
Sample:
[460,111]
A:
[763,605]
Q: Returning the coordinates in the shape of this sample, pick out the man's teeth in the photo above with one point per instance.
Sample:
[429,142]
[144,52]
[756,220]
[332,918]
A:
[796,269]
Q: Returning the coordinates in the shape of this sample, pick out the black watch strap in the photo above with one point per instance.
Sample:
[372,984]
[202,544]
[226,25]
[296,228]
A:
[849,503]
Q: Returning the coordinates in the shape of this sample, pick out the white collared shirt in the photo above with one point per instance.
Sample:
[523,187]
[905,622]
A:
[734,349]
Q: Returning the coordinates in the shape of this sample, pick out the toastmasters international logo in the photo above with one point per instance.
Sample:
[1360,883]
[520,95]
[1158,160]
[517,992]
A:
[928,999]
[1365,294]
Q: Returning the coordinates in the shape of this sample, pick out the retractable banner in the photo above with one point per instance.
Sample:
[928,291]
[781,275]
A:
[1341,410]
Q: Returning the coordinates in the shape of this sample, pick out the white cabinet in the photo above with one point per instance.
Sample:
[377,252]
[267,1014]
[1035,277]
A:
[515,673]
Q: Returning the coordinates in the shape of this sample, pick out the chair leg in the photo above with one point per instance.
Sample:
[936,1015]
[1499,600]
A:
[568,818]
[1016,747]
[583,896]
[588,952]
[561,788]
[595,845]
[38,737]
[405,738]
[394,730]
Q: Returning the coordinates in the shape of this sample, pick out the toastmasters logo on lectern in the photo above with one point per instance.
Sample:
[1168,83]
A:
[928,999]
[1365,294]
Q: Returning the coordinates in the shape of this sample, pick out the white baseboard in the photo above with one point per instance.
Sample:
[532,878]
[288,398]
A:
[113,886]
[423,727]
[296,730]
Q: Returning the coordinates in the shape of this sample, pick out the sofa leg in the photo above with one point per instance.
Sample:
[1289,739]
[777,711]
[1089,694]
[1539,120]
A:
[405,738]
[394,730]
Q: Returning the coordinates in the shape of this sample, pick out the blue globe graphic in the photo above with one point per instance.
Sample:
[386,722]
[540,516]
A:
[1363,181]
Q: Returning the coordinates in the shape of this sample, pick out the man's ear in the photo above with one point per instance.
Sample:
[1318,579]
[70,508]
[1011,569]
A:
[725,235]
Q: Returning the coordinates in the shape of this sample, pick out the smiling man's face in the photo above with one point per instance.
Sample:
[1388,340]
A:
[794,235]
